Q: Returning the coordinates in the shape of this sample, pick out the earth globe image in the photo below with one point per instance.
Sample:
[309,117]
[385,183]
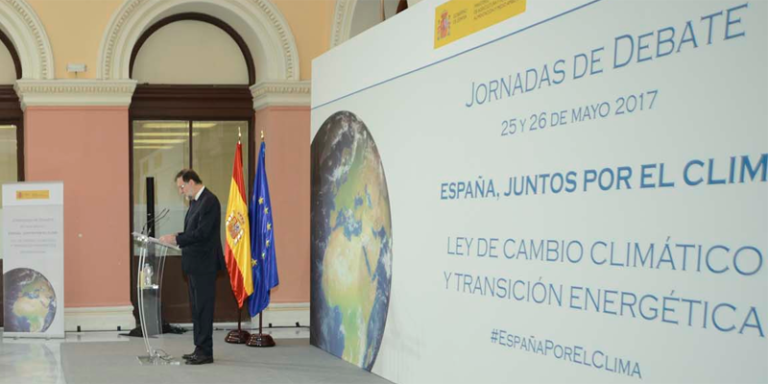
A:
[351,242]
[30,301]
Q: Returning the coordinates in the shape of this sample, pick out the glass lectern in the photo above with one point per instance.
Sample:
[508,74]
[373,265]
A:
[148,290]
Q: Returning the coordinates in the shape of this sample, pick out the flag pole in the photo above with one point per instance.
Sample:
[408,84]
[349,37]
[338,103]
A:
[238,336]
[260,339]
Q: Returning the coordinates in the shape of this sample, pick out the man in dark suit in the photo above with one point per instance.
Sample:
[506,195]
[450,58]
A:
[201,258]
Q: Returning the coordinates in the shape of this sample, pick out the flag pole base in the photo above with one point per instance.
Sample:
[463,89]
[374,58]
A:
[238,337]
[260,340]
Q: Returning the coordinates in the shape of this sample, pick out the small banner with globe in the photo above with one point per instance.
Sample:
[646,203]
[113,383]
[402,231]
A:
[33,259]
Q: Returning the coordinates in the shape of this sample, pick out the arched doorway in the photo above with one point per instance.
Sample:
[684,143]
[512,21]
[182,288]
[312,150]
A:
[192,102]
[11,126]
[277,84]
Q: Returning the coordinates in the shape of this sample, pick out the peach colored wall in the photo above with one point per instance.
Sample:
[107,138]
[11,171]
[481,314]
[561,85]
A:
[87,148]
[311,22]
[286,131]
[75,29]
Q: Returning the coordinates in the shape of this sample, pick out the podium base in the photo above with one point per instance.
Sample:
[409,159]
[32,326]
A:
[237,337]
[260,340]
[158,360]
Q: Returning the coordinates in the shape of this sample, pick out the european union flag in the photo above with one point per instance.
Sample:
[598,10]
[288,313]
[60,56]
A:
[263,260]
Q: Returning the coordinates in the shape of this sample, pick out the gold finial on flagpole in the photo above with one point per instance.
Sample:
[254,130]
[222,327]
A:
[239,134]
[262,135]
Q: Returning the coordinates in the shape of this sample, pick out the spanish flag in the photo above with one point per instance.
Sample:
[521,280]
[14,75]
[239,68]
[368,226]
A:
[238,248]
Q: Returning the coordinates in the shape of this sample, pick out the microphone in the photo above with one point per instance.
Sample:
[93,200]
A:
[163,216]
[156,219]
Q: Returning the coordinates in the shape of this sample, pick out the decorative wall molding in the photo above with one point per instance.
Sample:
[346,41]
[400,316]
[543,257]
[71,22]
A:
[99,318]
[284,315]
[342,21]
[259,22]
[281,93]
[20,23]
[343,16]
[51,93]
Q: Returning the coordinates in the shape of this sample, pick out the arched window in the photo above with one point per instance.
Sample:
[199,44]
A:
[191,102]
[11,115]
[11,125]
[354,17]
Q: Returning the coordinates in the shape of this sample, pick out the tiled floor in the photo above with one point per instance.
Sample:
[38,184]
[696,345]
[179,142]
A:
[108,357]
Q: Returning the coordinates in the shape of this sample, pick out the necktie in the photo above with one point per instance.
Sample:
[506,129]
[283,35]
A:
[189,212]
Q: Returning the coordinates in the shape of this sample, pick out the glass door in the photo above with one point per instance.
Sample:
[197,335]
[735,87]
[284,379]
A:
[10,172]
[9,155]
[213,153]
[9,161]
[162,148]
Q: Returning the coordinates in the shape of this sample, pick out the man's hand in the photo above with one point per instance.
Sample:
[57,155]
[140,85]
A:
[168,239]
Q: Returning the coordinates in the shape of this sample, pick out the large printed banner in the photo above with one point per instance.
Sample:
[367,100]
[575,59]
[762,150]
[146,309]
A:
[33,259]
[575,194]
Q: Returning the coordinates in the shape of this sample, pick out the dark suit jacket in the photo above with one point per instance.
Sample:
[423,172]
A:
[200,242]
